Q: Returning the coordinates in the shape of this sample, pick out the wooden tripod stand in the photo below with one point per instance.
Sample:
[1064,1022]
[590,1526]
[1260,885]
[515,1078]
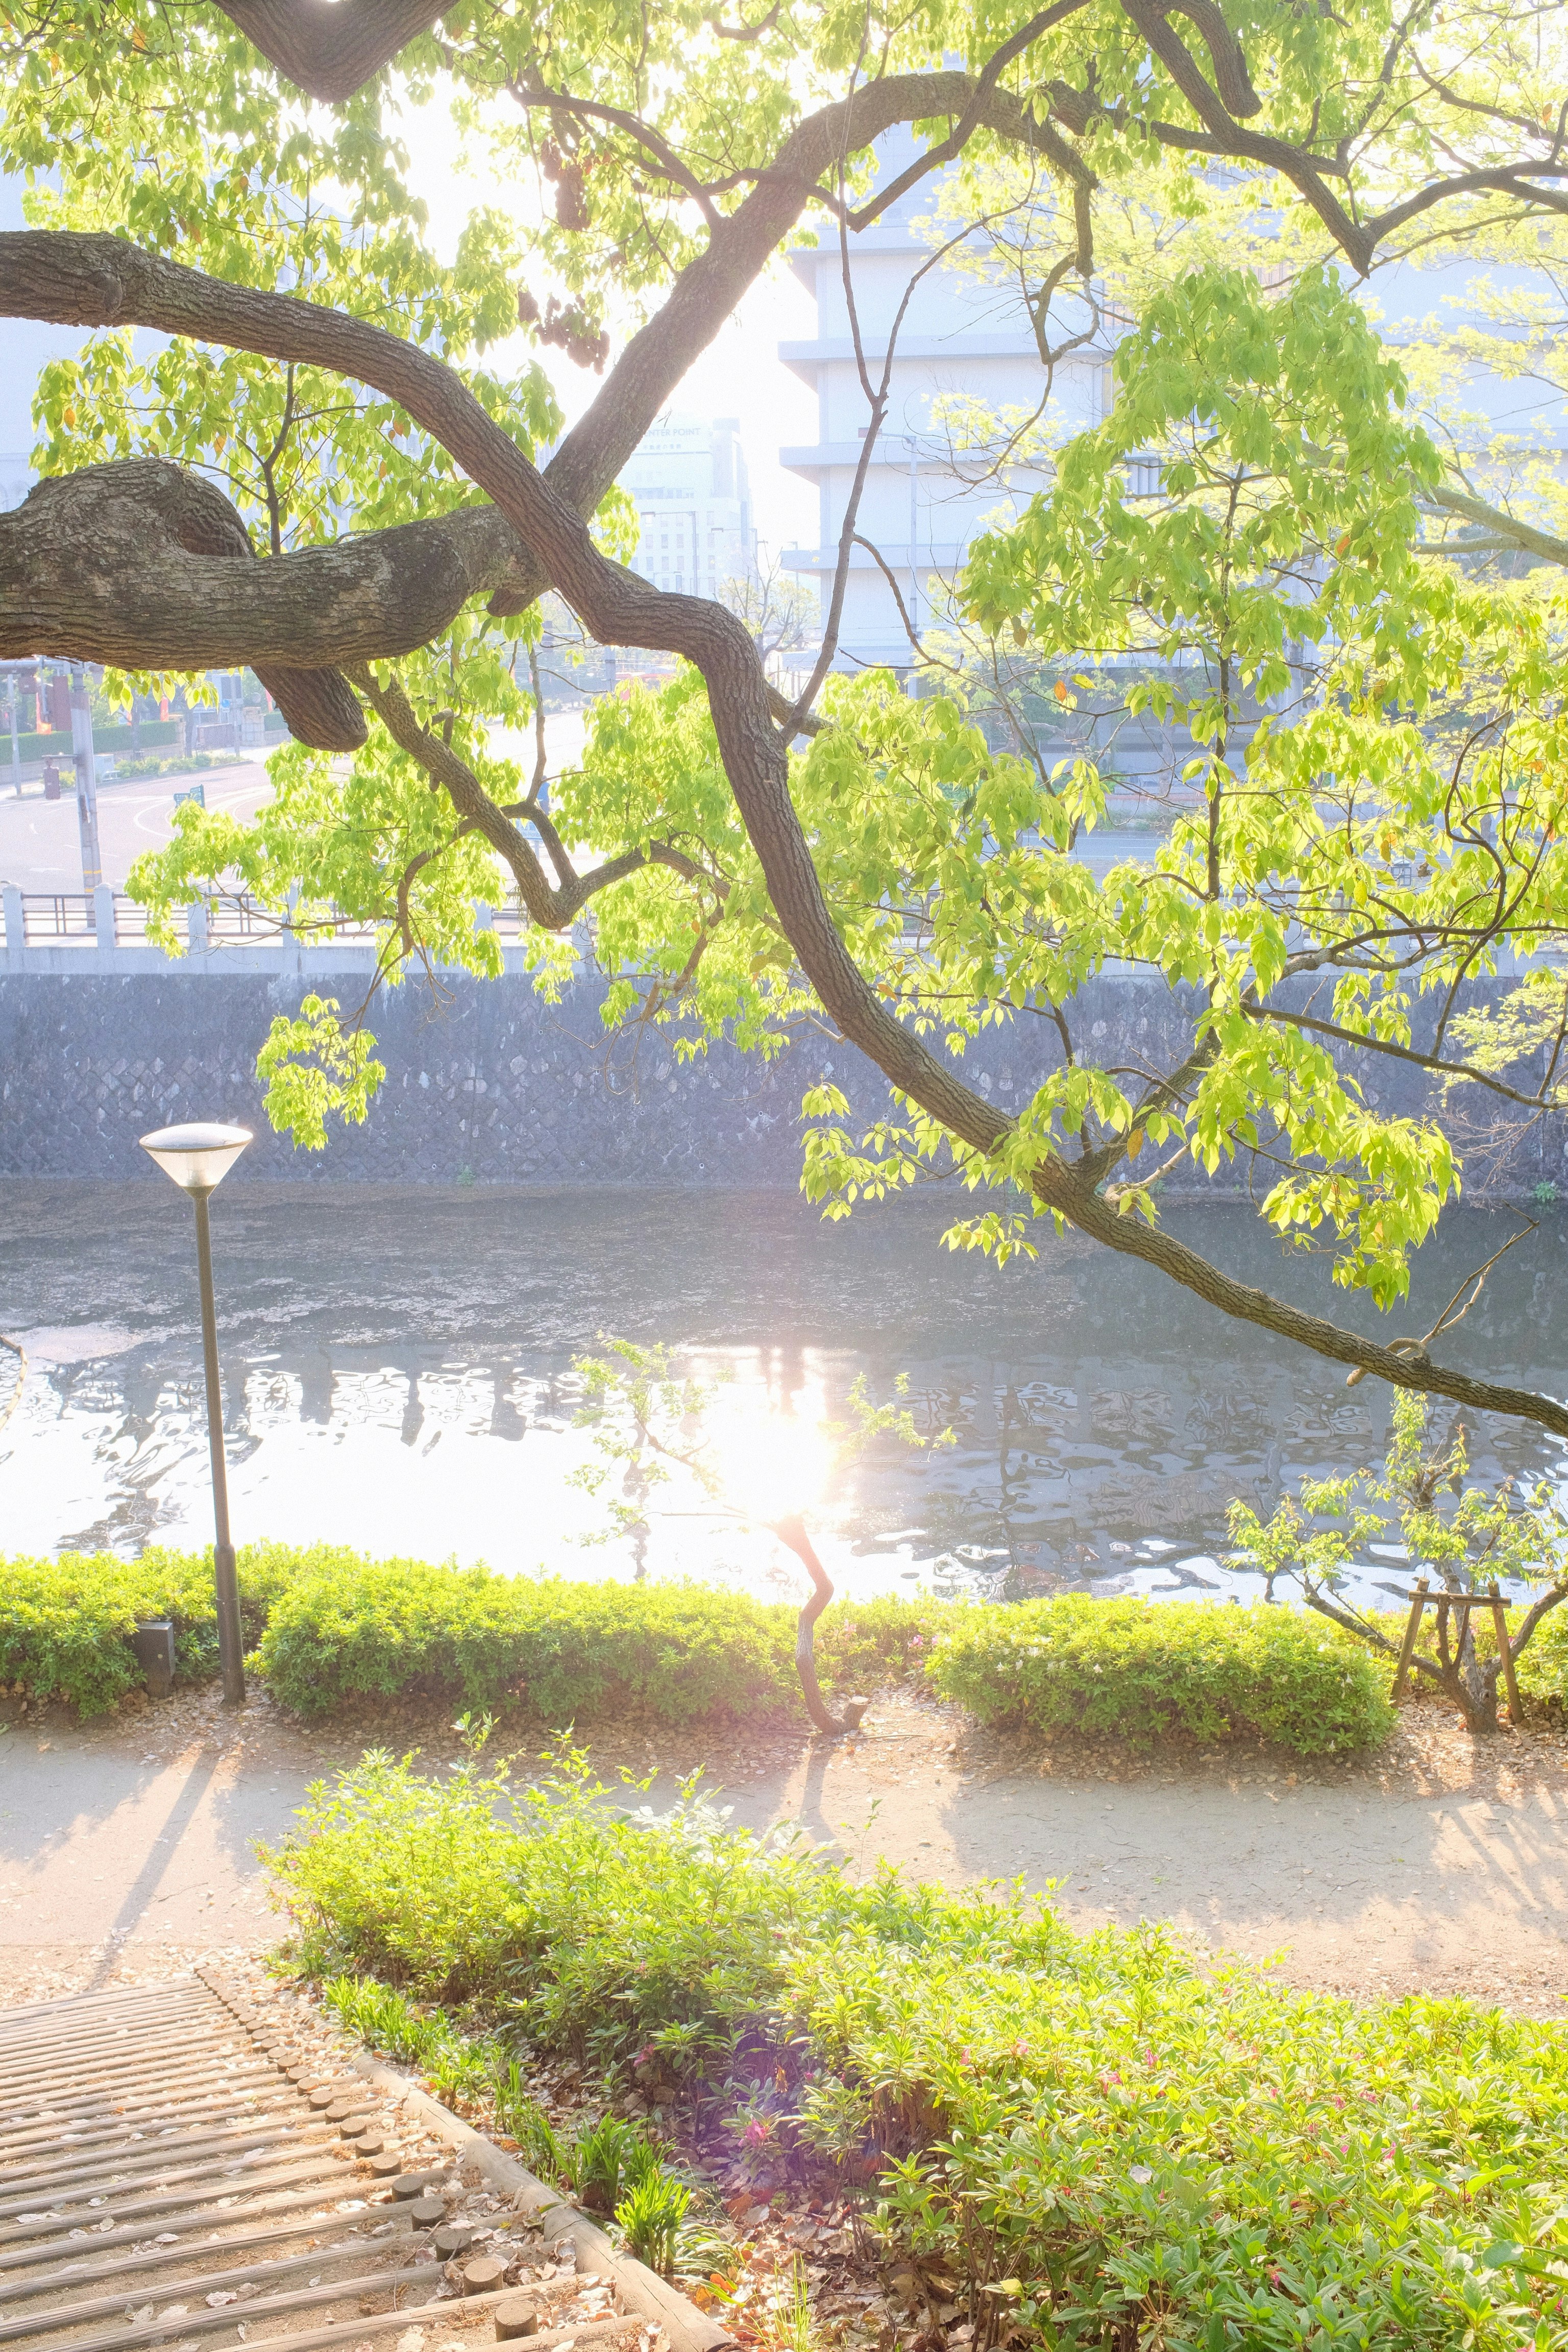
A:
[1461,1604]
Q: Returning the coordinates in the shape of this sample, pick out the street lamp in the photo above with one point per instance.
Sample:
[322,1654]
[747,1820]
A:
[199,1158]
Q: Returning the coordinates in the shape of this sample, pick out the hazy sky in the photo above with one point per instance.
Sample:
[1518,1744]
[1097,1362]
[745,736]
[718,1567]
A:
[739,374]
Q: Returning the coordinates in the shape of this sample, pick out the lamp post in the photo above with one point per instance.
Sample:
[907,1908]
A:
[86,778]
[199,1158]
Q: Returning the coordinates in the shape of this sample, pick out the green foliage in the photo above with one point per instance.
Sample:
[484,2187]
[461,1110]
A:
[332,1627]
[651,2216]
[1099,2137]
[1378,765]
[1467,1536]
[65,1624]
[1142,1671]
[1466,1533]
[611,2169]
[610,2162]
[480,2072]
[312,1066]
[566,1652]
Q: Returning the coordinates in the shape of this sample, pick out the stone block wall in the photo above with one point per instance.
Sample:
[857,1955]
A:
[487,1084]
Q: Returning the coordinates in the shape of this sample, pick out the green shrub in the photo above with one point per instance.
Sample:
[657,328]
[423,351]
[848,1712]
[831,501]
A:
[566,1652]
[1153,1670]
[1105,2139]
[330,1626]
[67,1624]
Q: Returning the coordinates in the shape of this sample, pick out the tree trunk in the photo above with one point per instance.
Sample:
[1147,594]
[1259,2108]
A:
[792,1532]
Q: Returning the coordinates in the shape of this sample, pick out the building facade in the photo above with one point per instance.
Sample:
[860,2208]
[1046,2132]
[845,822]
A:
[926,495]
[688,476]
[965,340]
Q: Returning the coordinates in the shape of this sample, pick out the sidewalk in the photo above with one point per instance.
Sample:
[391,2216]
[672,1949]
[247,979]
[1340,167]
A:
[127,1849]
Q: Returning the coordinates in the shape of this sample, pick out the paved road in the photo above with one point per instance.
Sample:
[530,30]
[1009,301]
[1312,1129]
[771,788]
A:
[40,848]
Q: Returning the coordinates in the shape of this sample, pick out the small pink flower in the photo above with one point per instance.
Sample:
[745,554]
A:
[755,2133]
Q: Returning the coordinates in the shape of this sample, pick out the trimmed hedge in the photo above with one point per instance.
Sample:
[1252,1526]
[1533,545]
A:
[1144,1671]
[331,1626]
[66,1624]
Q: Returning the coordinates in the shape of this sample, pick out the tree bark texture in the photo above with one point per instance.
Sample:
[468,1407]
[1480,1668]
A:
[96,280]
[149,567]
[329,48]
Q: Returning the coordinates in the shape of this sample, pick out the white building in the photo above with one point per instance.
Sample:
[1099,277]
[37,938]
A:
[963,340]
[688,476]
[924,497]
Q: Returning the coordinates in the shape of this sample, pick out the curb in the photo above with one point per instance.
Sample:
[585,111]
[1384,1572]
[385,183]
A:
[640,2289]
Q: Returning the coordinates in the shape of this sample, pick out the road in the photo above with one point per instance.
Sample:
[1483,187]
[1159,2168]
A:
[40,848]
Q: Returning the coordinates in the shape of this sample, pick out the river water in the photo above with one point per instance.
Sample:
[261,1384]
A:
[397,1370]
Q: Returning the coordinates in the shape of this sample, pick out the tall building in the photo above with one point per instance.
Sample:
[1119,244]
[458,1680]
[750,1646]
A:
[962,340]
[924,498]
[688,476]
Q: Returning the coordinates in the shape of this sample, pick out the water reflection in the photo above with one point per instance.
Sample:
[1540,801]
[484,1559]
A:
[397,1364]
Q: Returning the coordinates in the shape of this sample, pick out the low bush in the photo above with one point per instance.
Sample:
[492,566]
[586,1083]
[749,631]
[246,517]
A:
[1144,1671]
[1093,2140]
[331,1628]
[566,1652]
[66,1624]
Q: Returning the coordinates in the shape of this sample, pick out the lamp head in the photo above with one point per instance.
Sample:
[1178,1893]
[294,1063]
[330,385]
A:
[198,1157]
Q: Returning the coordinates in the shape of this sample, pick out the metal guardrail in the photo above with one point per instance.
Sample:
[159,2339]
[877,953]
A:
[56,915]
[87,920]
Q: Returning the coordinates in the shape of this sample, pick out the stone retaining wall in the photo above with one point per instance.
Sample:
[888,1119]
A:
[487,1084]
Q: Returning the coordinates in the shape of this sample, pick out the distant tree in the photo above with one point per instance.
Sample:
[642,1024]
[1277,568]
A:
[1473,1541]
[653,1426]
[778,610]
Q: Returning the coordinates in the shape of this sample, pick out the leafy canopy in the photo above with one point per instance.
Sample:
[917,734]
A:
[1377,759]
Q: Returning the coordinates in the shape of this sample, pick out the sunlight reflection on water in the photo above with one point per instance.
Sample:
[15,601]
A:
[397,1376]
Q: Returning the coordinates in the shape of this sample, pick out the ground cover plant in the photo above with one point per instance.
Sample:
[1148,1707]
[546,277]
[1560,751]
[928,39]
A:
[332,1629]
[1081,2140]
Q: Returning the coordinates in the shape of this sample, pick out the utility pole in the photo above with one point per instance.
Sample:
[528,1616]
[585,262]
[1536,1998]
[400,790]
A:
[86,779]
[16,739]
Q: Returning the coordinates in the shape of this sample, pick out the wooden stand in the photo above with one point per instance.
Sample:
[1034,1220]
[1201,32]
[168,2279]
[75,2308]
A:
[1461,1604]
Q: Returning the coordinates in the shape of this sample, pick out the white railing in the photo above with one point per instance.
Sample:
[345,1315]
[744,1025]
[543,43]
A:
[85,921]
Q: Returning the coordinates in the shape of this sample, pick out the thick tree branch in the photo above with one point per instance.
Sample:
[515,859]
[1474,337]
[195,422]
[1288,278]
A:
[149,567]
[1524,535]
[89,281]
[329,48]
[657,357]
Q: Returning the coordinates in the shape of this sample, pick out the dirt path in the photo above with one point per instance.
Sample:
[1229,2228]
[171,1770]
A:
[126,1849]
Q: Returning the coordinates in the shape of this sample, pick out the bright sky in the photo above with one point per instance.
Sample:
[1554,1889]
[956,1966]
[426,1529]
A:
[739,374]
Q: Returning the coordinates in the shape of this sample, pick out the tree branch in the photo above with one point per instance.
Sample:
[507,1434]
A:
[553,909]
[92,281]
[329,51]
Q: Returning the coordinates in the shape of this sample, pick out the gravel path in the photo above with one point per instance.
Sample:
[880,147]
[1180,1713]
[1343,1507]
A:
[127,1848]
